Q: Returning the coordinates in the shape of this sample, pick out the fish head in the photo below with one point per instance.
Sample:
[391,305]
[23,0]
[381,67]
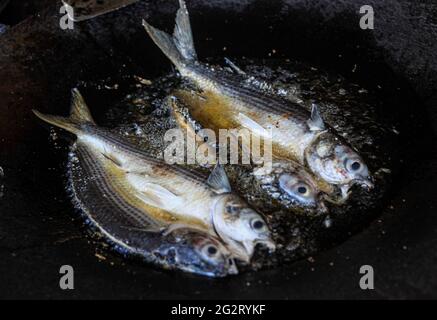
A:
[240,226]
[337,163]
[301,191]
[291,184]
[201,253]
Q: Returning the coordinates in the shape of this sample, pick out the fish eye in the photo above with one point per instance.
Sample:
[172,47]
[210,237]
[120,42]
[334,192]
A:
[294,187]
[258,224]
[356,166]
[302,190]
[353,165]
[210,250]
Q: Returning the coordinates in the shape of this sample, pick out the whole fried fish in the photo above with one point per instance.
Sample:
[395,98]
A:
[191,199]
[286,181]
[231,102]
[101,192]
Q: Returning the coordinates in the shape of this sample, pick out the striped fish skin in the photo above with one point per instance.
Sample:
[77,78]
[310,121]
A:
[224,213]
[190,199]
[102,194]
[232,102]
[288,181]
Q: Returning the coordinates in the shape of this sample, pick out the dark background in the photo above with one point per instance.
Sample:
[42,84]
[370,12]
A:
[39,63]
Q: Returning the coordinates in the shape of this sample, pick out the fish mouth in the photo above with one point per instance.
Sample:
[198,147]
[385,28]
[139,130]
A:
[367,183]
[232,267]
[269,243]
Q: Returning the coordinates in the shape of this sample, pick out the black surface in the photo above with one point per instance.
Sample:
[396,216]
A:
[39,63]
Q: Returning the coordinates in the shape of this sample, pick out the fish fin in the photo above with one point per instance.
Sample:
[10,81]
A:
[81,10]
[234,67]
[79,115]
[79,109]
[154,194]
[218,180]
[315,122]
[179,48]
[182,35]
[252,125]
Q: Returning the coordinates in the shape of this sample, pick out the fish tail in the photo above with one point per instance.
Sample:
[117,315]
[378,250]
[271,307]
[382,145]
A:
[179,48]
[79,115]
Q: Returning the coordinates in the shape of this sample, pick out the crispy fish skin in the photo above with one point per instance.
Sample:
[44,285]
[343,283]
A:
[232,102]
[191,200]
[102,194]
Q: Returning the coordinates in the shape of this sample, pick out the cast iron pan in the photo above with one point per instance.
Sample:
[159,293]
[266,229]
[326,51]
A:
[39,63]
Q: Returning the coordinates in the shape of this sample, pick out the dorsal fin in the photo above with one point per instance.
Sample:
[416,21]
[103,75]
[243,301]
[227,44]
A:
[218,180]
[80,112]
[182,35]
[315,122]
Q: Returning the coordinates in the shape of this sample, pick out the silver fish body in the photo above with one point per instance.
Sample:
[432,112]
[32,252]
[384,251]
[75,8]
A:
[232,102]
[176,196]
[286,180]
[100,194]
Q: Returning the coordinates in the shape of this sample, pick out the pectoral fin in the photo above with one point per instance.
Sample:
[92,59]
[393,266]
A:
[152,193]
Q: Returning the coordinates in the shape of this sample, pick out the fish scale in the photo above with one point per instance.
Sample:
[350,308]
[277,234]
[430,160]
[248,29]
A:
[98,176]
[236,86]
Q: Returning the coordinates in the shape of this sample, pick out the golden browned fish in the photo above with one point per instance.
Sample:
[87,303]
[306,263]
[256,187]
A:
[285,180]
[208,204]
[101,192]
[232,102]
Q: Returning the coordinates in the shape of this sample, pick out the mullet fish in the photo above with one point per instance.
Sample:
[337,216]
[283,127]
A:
[187,198]
[231,102]
[286,181]
[101,192]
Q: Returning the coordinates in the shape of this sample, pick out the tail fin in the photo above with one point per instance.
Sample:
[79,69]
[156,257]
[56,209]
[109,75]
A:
[179,48]
[79,115]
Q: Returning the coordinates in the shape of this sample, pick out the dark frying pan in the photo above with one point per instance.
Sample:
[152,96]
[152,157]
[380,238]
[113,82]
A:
[39,63]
